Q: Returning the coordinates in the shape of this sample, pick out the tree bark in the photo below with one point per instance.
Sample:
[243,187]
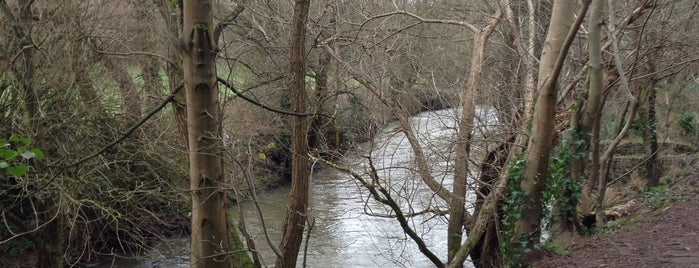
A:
[50,250]
[209,242]
[463,148]
[650,134]
[171,12]
[559,37]
[485,253]
[323,135]
[296,215]
[563,226]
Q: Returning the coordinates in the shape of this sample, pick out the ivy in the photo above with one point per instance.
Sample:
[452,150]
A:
[560,186]
[512,205]
[687,123]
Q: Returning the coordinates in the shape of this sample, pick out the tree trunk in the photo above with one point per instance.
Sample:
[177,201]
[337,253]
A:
[650,135]
[323,135]
[558,39]
[296,215]
[563,227]
[50,250]
[463,148]
[131,101]
[152,86]
[485,253]
[209,242]
[171,12]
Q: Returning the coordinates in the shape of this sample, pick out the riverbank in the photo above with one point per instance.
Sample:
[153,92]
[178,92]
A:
[662,232]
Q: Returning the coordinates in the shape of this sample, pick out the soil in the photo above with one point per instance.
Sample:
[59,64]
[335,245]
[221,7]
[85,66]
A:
[665,234]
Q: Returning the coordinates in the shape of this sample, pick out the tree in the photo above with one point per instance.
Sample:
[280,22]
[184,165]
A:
[209,242]
[298,205]
[564,219]
[171,14]
[466,122]
[558,40]
[50,252]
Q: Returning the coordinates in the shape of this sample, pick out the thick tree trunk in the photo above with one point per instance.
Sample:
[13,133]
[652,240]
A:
[296,215]
[563,227]
[486,253]
[323,135]
[50,250]
[209,242]
[560,34]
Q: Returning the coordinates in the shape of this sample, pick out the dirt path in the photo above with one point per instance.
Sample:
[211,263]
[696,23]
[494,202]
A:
[665,237]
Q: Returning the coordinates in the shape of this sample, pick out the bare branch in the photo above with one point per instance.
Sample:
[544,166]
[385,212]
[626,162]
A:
[615,47]
[382,195]
[228,20]
[258,104]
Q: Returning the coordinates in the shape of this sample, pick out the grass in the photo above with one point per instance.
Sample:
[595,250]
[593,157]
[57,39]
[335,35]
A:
[549,246]
[615,225]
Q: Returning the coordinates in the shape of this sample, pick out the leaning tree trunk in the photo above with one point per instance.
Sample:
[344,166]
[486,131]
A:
[296,215]
[463,149]
[209,243]
[559,37]
[563,225]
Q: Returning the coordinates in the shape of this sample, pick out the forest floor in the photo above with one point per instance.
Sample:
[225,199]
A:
[662,232]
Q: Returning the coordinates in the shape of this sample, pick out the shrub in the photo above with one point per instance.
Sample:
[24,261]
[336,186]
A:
[687,124]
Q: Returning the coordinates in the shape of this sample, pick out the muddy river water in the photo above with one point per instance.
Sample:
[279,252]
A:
[350,229]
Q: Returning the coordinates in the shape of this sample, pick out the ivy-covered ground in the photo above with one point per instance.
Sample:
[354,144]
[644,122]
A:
[662,232]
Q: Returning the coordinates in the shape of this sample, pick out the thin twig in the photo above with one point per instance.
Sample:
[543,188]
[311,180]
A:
[256,103]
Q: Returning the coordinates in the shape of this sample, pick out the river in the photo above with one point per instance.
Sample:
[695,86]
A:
[351,230]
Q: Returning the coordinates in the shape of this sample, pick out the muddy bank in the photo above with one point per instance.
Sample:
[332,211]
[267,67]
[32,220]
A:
[663,235]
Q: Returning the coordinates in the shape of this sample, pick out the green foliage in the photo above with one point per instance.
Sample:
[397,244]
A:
[611,226]
[550,246]
[512,205]
[656,197]
[239,254]
[687,123]
[560,186]
[201,25]
[14,153]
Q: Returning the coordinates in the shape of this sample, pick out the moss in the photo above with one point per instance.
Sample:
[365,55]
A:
[550,246]
[239,255]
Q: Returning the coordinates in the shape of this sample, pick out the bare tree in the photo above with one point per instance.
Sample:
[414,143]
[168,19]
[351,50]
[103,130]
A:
[560,35]
[298,206]
[209,229]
